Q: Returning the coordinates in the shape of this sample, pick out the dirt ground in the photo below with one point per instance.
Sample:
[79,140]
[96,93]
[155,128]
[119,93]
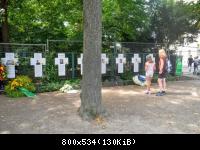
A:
[130,112]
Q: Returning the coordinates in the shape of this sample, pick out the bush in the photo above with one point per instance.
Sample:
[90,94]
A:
[70,85]
[127,75]
[51,71]
[49,87]
[55,86]
[11,89]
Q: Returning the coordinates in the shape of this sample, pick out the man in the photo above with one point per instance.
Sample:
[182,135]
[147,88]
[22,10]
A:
[196,62]
[190,61]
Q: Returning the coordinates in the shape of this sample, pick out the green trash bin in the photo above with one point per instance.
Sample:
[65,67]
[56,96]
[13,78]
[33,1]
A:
[179,66]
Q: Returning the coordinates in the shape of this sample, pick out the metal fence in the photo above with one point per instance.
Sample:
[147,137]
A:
[72,50]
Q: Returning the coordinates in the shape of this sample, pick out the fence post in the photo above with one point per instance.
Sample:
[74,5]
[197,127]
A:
[47,47]
[113,79]
[73,66]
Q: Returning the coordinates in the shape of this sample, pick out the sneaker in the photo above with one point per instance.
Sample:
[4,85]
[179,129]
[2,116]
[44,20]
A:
[146,92]
[159,94]
[149,93]
[163,92]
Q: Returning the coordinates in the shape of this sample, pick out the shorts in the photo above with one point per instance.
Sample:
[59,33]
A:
[149,75]
[162,75]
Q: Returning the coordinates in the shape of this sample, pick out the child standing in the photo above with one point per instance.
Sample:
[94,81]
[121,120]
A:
[149,69]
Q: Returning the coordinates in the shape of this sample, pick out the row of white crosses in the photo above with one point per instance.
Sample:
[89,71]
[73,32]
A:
[120,61]
[10,61]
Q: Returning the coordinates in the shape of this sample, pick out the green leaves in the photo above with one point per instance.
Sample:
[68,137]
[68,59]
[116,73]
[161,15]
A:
[34,21]
[171,19]
[123,21]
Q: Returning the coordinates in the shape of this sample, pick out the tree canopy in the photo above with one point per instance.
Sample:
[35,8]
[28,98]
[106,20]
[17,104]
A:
[34,21]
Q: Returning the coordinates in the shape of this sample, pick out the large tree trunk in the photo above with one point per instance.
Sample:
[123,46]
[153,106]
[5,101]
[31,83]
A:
[91,105]
[4,28]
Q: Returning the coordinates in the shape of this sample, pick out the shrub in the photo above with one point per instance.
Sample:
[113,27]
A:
[127,75]
[55,86]
[49,87]
[50,68]
[11,88]
[70,85]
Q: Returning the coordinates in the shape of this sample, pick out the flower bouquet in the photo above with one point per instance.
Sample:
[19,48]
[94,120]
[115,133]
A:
[3,76]
[19,87]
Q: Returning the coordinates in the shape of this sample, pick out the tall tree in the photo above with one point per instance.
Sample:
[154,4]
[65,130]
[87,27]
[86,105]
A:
[123,21]
[170,19]
[4,22]
[91,105]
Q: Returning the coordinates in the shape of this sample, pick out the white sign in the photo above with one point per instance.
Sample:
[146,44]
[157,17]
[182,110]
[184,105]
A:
[61,61]
[37,62]
[136,60]
[10,61]
[120,61]
[104,61]
[80,62]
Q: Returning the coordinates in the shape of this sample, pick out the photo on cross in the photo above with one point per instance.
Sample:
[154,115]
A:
[61,61]
[38,62]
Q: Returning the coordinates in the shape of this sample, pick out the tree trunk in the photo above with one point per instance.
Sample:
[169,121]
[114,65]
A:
[4,29]
[91,105]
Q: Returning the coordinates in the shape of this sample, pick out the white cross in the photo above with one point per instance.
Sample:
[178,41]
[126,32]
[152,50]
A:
[153,58]
[104,61]
[80,62]
[136,60]
[10,61]
[37,62]
[61,61]
[120,61]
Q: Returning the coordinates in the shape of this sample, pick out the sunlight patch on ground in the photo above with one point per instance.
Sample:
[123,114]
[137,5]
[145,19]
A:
[171,122]
[24,125]
[193,126]
[129,92]
[4,132]
[59,94]
[51,109]
[55,108]
[176,102]
[107,90]
[195,94]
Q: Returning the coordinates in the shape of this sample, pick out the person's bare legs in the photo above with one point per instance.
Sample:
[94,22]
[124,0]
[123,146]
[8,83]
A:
[160,84]
[149,83]
[164,84]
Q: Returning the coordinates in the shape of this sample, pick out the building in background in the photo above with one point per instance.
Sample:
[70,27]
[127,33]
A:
[190,45]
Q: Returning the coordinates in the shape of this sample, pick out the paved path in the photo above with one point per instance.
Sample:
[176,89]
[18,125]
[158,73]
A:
[130,111]
[190,74]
